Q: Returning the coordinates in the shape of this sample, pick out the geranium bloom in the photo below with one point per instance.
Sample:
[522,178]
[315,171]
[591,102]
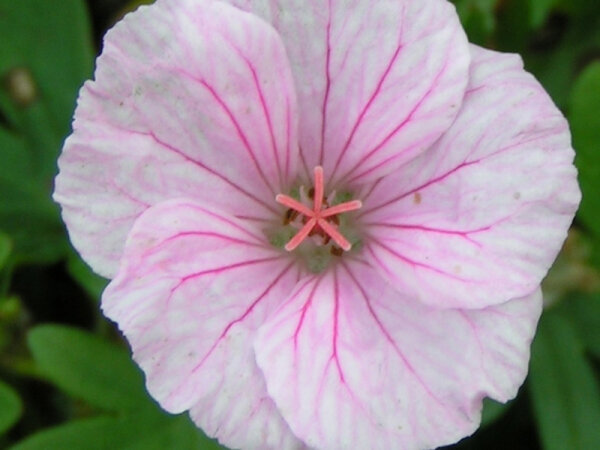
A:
[326,221]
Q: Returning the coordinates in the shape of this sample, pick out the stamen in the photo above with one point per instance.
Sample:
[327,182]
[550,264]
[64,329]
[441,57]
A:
[294,204]
[341,208]
[335,234]
[300,235]
[319,220]
[319,189]
[290,216]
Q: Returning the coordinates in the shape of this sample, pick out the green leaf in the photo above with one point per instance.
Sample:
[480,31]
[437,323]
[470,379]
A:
[10,407]
[26,211]
[58,65]
[579,7]
[176,433]
[81,272]
[98,433]
[104,375]
[5,249]
[88,367]
[539,11]
[565,393]
[478,18]
[584,313]
[492,411]
[556,63]
[585,124]
[129,432]
[39,82]
[513,28]
[10,312]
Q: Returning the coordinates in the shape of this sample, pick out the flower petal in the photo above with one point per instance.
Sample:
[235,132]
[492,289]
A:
[352,363]
[377,82]
[190,99]
[193,287]
[480,217]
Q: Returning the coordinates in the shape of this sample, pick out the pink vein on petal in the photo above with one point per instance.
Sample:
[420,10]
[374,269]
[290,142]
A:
[288,130]
[327,85]
[233,120]
[253,218]
[266,113]
[463,234]
[388,336]
[385,140]
[390,158]
[229,222]
[199,164]
[366,108]
[409,261]
[421,187]
[304,163]
[304,309]
[336,309]
[240,133]
[215,95]
[211,234]
[127,195]
[191,276]
[371,189]
[241,318]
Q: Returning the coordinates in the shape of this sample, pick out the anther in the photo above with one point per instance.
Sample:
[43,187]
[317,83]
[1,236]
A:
[336,251]
[290,216]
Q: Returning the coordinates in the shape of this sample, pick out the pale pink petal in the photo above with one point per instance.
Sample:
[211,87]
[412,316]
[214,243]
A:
[193,287]
[377,81]
[480,217]
[353,363]
[190,98]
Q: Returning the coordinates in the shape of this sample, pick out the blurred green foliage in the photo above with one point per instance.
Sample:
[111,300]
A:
[10,407]
[87,367]
[565,391]
[40,80]
[77,388]
[102,375]
[585,123]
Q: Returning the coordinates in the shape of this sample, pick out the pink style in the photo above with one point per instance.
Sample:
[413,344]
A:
[325,222]
[316,217]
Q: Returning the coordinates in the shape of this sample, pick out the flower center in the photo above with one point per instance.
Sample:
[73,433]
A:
[321,219]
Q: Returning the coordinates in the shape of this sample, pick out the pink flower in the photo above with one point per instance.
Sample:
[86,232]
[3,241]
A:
[429,184]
